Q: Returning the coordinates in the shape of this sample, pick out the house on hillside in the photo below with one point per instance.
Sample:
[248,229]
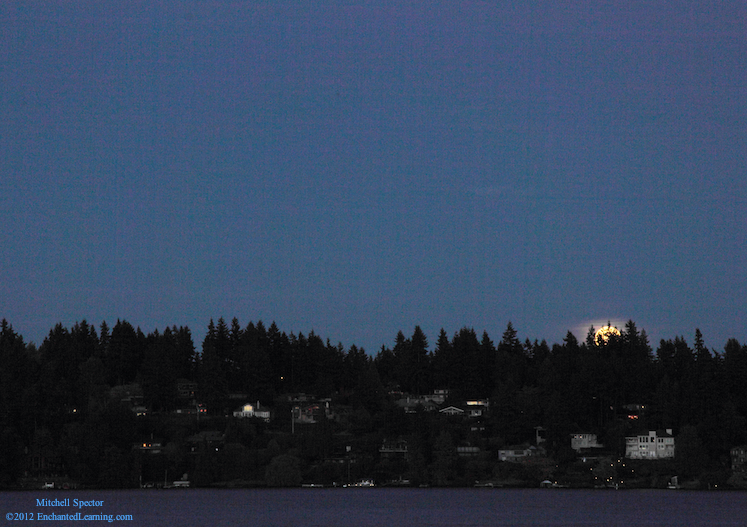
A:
[411,403]
[313,412]
[739,459]
[468,450]
[394,449]
[148,446]
[192,409]
[452,410]
[253,410]
[474,409]
[656,444]
[582,441]
[477,409]
[634,411]
[439,396]
[517,453]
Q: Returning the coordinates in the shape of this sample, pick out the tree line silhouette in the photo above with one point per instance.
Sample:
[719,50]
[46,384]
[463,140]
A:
[59,397]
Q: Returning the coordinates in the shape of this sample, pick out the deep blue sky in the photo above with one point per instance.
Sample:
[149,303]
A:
[357,168]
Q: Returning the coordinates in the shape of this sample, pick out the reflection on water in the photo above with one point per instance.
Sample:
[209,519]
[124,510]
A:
[414,507]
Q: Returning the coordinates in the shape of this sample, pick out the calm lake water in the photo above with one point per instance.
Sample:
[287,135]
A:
[389,507]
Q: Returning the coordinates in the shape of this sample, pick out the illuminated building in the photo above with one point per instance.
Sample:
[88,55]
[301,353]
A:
[654,445]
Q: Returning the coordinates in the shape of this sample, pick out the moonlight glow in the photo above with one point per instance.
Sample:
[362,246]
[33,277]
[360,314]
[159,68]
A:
[603,334]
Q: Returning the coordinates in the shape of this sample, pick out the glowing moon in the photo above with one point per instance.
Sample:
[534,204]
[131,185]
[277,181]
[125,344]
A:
[603,334]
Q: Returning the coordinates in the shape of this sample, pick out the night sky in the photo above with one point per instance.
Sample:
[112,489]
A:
[357,168]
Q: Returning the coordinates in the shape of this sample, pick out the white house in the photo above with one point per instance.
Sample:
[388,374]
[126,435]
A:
[452,410]
[253,410]
[656,445]
[473,409]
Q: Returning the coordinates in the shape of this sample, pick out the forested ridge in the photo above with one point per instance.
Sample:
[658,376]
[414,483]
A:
[65,412]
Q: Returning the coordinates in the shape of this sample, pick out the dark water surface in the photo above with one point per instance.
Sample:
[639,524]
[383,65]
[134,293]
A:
[384,507]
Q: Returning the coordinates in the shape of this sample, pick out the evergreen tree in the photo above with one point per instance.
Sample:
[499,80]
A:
[385,364]
[444,365]
[510,342]
[369,392]
[159,372]
[212,380]
[186,358]
[57,381]
[487,365]
[591,338]
[735,369]
[401,354]
[104,339]
[419,364]
[233,357]
[467,349]
[538,354]
[314,363]
[355,366]
[510,359]
[329,369]
[15,374]
[277,347]
[706,392]
[255,366]
[124,354]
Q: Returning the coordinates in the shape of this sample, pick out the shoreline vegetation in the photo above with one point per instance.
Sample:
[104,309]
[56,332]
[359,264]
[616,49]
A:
[108,408]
